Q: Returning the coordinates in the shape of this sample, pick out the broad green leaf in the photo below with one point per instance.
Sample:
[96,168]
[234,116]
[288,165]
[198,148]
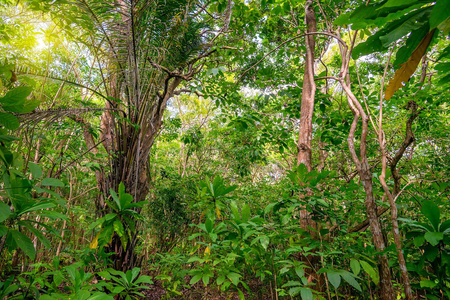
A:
[440,12]
[411,24]
[35,169]
[355,266]
[432,213]
[349,277]
[37,206]
[419,240]
[374,43]
[118,228]
[7,138]
[134,273]
[371,271]
[209,225]
[404,53]
[195,279]
[52,182]
[295,291]
[5,211]
[234,277]
[427,283]
[205,279]
[144,279]
[300,271]
[334,278]
[100,296]
[17,95]
[445,226]
[264,240]
[9,121]
[24,243]
[3,230]
[395,3]
[434,237]
[245,214]
[306,294]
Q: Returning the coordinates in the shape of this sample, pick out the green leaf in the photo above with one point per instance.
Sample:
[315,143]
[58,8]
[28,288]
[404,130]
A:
[355,266]
[37,206]
[3,230]
[205,279]
[334,278]
[374,43]
[118,228]
[371,271]
[415,22]
[245,214]
[234,277]
[5,211]
[209,225]
[349,277]
[294,291]
[52,182]
[440,12]
[306,294]
[17,95]
[195,279]
[431,211]
[24,243]
[35,169]
[264,240]
[445,226]
[9,121]
[427,283]
[404,53]
[419,240]
[144,279]
[434,237]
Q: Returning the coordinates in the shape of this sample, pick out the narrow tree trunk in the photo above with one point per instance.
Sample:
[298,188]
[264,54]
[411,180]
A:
[308,92]
[305,137]
[362,164]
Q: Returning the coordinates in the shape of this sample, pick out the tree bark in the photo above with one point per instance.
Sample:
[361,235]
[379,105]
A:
[362,164]
[308,92]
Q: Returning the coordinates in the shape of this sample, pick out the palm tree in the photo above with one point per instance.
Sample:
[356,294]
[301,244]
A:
[145,50]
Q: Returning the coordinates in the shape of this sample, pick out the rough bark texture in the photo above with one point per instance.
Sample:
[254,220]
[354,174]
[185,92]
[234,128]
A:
[362,164]
[308,92]
[305,138]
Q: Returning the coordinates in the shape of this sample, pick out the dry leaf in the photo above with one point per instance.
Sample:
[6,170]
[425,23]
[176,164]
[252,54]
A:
[408,68]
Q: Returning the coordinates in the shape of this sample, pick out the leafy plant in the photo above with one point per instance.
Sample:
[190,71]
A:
[433,239]
[121,221]
[126,285]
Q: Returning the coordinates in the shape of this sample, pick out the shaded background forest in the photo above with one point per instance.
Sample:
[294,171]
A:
[224,149]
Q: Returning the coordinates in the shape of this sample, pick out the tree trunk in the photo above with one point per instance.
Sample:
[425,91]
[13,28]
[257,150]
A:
[308,92]
[362,164]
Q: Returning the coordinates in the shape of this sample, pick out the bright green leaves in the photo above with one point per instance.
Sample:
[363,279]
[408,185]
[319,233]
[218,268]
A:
[36,170]
[17,239]
[15,101]
[373,273]
[393,31]
[9,121]
[5,211]
[431,211]
[440,13]
[121,221]
[52,182]
[127,285]
[355,266]
[334,276]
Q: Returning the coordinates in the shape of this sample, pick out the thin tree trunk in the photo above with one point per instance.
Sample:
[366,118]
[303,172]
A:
[308,92]
[387,291]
